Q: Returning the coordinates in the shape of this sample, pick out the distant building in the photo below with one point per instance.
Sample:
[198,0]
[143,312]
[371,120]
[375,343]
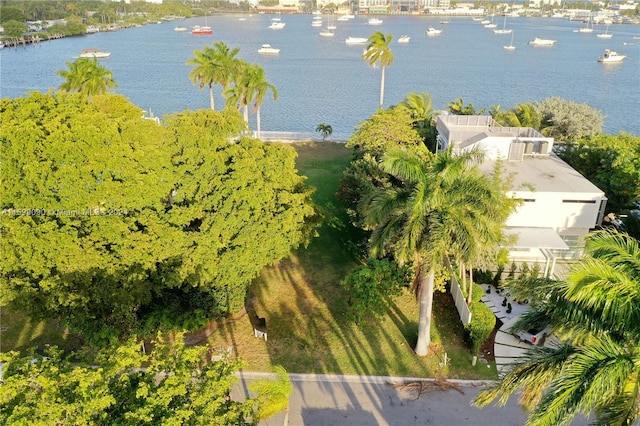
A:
[559,207]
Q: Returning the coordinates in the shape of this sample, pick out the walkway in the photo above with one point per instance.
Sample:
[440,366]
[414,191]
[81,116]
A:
[507,348]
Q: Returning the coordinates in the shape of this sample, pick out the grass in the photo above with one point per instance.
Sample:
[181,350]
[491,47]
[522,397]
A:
[305,307]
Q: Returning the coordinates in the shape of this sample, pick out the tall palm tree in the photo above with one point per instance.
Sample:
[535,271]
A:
[240,93]
[596,313]
[87,76]
[378,52]
[443,206]
[273,395]
[420,107]
[260,87]
[211,66]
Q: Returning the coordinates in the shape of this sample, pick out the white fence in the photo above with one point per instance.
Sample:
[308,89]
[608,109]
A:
[299,136]
[458,297]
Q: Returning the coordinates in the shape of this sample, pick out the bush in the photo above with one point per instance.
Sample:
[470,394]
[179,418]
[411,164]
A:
[483,321]
[482,277]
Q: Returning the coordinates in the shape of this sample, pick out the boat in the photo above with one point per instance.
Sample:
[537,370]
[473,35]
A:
[375,21]
[94,53]
[541,42]
[204,30]
[275,25]
[611,56]
[266,49]
[433,31]
[587,29]
[404,39]
[504,29]
[343,18]
[356,40]
[490,24]
[326,33]
[605,34]
[509,46]
[315,23]
[180,29]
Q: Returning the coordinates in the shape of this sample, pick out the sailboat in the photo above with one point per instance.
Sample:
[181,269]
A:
[510,46]
[504,29]
[204,30]
[588,28]
[491,24]
[605,34]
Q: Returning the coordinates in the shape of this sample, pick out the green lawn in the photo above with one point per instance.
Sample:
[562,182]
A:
[305,307]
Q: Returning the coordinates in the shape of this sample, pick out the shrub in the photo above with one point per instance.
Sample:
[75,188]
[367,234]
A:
[483,321]
[482,276]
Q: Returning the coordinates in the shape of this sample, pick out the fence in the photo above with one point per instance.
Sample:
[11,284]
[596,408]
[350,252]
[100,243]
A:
[299,136]
[458,297]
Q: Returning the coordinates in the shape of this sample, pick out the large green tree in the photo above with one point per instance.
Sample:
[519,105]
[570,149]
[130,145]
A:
[378,52]
[213,65]
[568,120]
[172,384]
[445,206]
[594,370]
[87,76]
[611,162]
[112,221]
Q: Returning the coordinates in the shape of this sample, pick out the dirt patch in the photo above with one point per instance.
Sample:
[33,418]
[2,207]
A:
[487,347]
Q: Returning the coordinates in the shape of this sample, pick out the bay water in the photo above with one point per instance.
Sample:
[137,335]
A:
[323,80]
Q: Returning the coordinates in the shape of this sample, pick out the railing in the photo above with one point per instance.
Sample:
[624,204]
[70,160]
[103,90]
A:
[458,296]
[299,136]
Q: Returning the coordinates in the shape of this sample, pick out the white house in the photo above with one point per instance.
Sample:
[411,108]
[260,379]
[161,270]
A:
[559,206]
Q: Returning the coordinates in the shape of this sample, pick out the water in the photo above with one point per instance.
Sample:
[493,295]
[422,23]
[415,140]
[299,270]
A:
[321,79]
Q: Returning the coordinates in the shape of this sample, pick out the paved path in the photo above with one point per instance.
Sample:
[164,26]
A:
[327,400]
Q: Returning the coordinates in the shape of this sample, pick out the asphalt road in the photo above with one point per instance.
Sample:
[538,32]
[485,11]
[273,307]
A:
[326,400]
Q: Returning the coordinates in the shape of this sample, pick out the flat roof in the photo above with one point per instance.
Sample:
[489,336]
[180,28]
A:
[546,173]
[533,237]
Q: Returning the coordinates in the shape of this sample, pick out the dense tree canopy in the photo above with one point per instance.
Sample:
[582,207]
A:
[113,220]
[176,387]
[611,162]
[567,120]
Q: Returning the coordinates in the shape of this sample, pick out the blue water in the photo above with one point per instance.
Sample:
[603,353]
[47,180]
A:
[321,79]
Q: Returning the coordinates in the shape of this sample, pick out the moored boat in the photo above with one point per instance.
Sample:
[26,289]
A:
[356,40]
[204,30]
[276,25]
[266,49]
[611,56]
[375,21]
[94,53]
[541,42]
[404,39]
[433,31]
[179,29]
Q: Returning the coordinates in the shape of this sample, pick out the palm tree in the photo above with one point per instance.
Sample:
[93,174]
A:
[443,206]
[213,65]
[522,115]
[273,396]
[325,129]
[596,313]
[260,87]
[379,52]
[420,107]
[240,93]
[87,76]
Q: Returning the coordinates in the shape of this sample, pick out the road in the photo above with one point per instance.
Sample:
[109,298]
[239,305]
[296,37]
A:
[326,400]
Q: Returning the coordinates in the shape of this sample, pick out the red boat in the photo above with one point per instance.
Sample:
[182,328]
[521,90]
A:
[198,30]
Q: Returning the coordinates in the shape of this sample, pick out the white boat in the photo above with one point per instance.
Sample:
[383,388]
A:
[356,40]
[266,49]
[605,34]
[343,18]
[94,53]
[611,56]
[509,46]
[375,21]
[316,23]
[326,33]
[180,29]
[541,42]
[504,29]
[276,25]
[587,29]
[404,39]
[433,31]
[490,26]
